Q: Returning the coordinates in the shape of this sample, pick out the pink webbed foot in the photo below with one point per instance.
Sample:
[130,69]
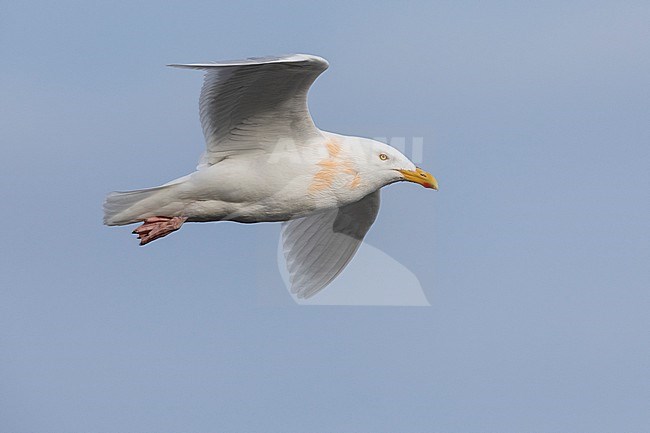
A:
[157,227]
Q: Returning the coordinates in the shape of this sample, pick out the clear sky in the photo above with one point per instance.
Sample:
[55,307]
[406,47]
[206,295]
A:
[534,254]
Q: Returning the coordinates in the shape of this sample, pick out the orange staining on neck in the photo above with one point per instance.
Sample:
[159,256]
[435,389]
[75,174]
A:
[333,148]
[332,166]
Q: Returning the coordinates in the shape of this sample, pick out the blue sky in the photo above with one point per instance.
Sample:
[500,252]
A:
[534,254]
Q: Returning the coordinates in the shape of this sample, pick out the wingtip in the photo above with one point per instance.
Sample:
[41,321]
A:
[182,66]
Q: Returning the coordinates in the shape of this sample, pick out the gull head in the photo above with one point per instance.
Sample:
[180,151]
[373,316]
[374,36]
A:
[383,165]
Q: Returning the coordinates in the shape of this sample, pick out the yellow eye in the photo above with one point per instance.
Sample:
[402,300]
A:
[383,156]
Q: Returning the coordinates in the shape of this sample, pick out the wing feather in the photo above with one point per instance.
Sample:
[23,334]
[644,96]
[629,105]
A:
[318,247]
[251,105]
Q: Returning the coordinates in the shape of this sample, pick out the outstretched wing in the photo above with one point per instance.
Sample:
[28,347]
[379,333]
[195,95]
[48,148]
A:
[319,246]
[249,105]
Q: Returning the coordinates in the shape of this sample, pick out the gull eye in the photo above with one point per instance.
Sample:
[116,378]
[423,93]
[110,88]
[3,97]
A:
[383,156]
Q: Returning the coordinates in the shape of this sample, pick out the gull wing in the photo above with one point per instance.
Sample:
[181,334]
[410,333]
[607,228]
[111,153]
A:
[254,104]
[319,246]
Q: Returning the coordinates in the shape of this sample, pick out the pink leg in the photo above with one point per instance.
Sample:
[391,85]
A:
[156,227]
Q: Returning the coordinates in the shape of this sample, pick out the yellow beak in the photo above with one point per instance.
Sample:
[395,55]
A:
[420,176]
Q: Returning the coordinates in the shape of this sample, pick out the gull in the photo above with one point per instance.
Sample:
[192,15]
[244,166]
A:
[266,161]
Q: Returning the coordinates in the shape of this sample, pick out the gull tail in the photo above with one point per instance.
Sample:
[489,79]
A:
[121,208]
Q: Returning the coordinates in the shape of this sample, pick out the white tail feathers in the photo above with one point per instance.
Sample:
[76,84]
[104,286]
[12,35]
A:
[121,208]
